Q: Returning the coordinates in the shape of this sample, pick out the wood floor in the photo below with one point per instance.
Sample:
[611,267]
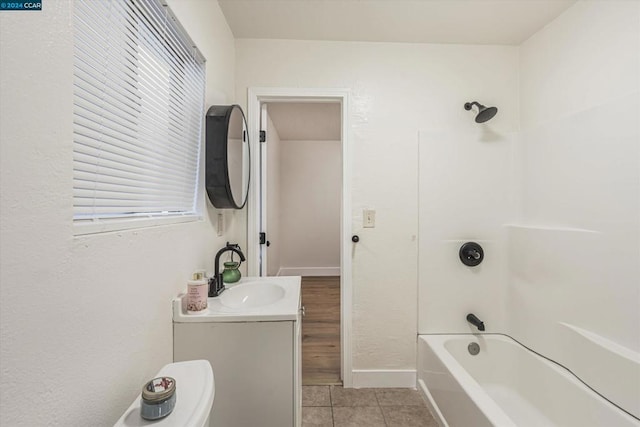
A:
[321,331]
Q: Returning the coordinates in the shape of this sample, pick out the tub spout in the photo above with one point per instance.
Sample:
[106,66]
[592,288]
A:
[471,318]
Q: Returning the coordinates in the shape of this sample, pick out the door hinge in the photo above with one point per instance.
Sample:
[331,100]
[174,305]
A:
[263,136]
[263,239]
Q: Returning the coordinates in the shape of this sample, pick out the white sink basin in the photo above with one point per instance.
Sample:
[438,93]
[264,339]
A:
[252,299]
[252,294]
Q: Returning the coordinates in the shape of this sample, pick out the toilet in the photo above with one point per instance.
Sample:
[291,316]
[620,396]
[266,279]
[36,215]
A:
[195,390]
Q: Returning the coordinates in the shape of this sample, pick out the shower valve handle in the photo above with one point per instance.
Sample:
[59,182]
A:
[474,254]
[471,254]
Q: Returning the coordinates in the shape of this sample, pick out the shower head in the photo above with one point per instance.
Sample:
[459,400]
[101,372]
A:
[484,113]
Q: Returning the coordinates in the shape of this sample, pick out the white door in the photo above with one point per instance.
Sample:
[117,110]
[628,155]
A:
[264,242]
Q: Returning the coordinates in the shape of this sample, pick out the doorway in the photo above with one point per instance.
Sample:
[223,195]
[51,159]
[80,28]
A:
[303,173]
[324,273]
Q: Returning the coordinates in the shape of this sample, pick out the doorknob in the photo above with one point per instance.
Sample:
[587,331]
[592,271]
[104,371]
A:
[355,238]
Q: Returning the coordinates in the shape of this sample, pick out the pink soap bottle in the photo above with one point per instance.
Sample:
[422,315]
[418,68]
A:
[197,293]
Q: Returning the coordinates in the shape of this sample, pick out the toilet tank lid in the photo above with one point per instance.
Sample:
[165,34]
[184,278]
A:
[195,391]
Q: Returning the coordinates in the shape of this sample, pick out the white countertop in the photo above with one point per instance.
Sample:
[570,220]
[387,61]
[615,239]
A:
[286,308]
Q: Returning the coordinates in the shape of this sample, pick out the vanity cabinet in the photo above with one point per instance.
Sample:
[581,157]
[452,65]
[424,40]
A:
[256,366]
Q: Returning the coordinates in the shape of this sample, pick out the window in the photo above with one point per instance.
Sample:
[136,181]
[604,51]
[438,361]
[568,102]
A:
[138,111]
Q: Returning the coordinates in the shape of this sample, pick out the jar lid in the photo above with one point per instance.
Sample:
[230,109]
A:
[159,389]
[231,264]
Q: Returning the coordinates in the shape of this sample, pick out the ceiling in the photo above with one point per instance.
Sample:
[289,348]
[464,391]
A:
[311,121]
[504,22]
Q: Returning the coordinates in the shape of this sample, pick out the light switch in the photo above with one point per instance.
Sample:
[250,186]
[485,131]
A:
[368,218]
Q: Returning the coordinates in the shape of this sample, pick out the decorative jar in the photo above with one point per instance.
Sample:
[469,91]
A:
[231,274]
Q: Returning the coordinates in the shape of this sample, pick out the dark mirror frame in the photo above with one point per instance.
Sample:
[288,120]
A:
[216,165]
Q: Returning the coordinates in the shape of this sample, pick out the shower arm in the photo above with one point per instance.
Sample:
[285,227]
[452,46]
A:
[468,105]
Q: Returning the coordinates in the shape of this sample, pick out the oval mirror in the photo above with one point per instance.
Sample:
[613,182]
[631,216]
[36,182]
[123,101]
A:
[228,157]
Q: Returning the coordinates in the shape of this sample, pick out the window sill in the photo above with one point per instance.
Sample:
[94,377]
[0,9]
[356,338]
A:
[97,226]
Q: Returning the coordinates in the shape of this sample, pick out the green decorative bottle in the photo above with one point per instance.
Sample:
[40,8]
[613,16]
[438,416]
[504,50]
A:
[231,274]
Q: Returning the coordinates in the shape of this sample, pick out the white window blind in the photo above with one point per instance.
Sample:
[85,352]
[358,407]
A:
[138,111]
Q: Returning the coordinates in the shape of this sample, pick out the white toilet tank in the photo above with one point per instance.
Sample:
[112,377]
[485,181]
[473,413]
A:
[195,389]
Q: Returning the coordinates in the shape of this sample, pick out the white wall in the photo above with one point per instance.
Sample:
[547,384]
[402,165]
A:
[84,321]
[310,195]
[397,90]
[208,28]
[574,279]
[273,198]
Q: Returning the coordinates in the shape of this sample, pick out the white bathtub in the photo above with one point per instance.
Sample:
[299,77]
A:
[505,385]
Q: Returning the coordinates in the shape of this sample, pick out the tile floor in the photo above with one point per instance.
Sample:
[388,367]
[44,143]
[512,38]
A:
[334,406]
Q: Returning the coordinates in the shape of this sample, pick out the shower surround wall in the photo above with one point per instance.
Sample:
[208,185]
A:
[574,256]
[397,91]
[84,321]
[466,194]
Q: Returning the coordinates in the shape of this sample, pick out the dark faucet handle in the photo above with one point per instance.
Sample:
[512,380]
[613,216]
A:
[216,285]
[212,286]
[471,254]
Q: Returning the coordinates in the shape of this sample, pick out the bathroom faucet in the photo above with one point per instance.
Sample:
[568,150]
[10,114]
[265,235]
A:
[216,285]
[471,318]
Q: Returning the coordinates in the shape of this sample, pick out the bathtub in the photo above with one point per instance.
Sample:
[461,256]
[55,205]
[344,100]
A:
[505,385]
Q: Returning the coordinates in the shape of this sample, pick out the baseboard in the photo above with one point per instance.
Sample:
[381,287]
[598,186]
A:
[309,271]
[374,378]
